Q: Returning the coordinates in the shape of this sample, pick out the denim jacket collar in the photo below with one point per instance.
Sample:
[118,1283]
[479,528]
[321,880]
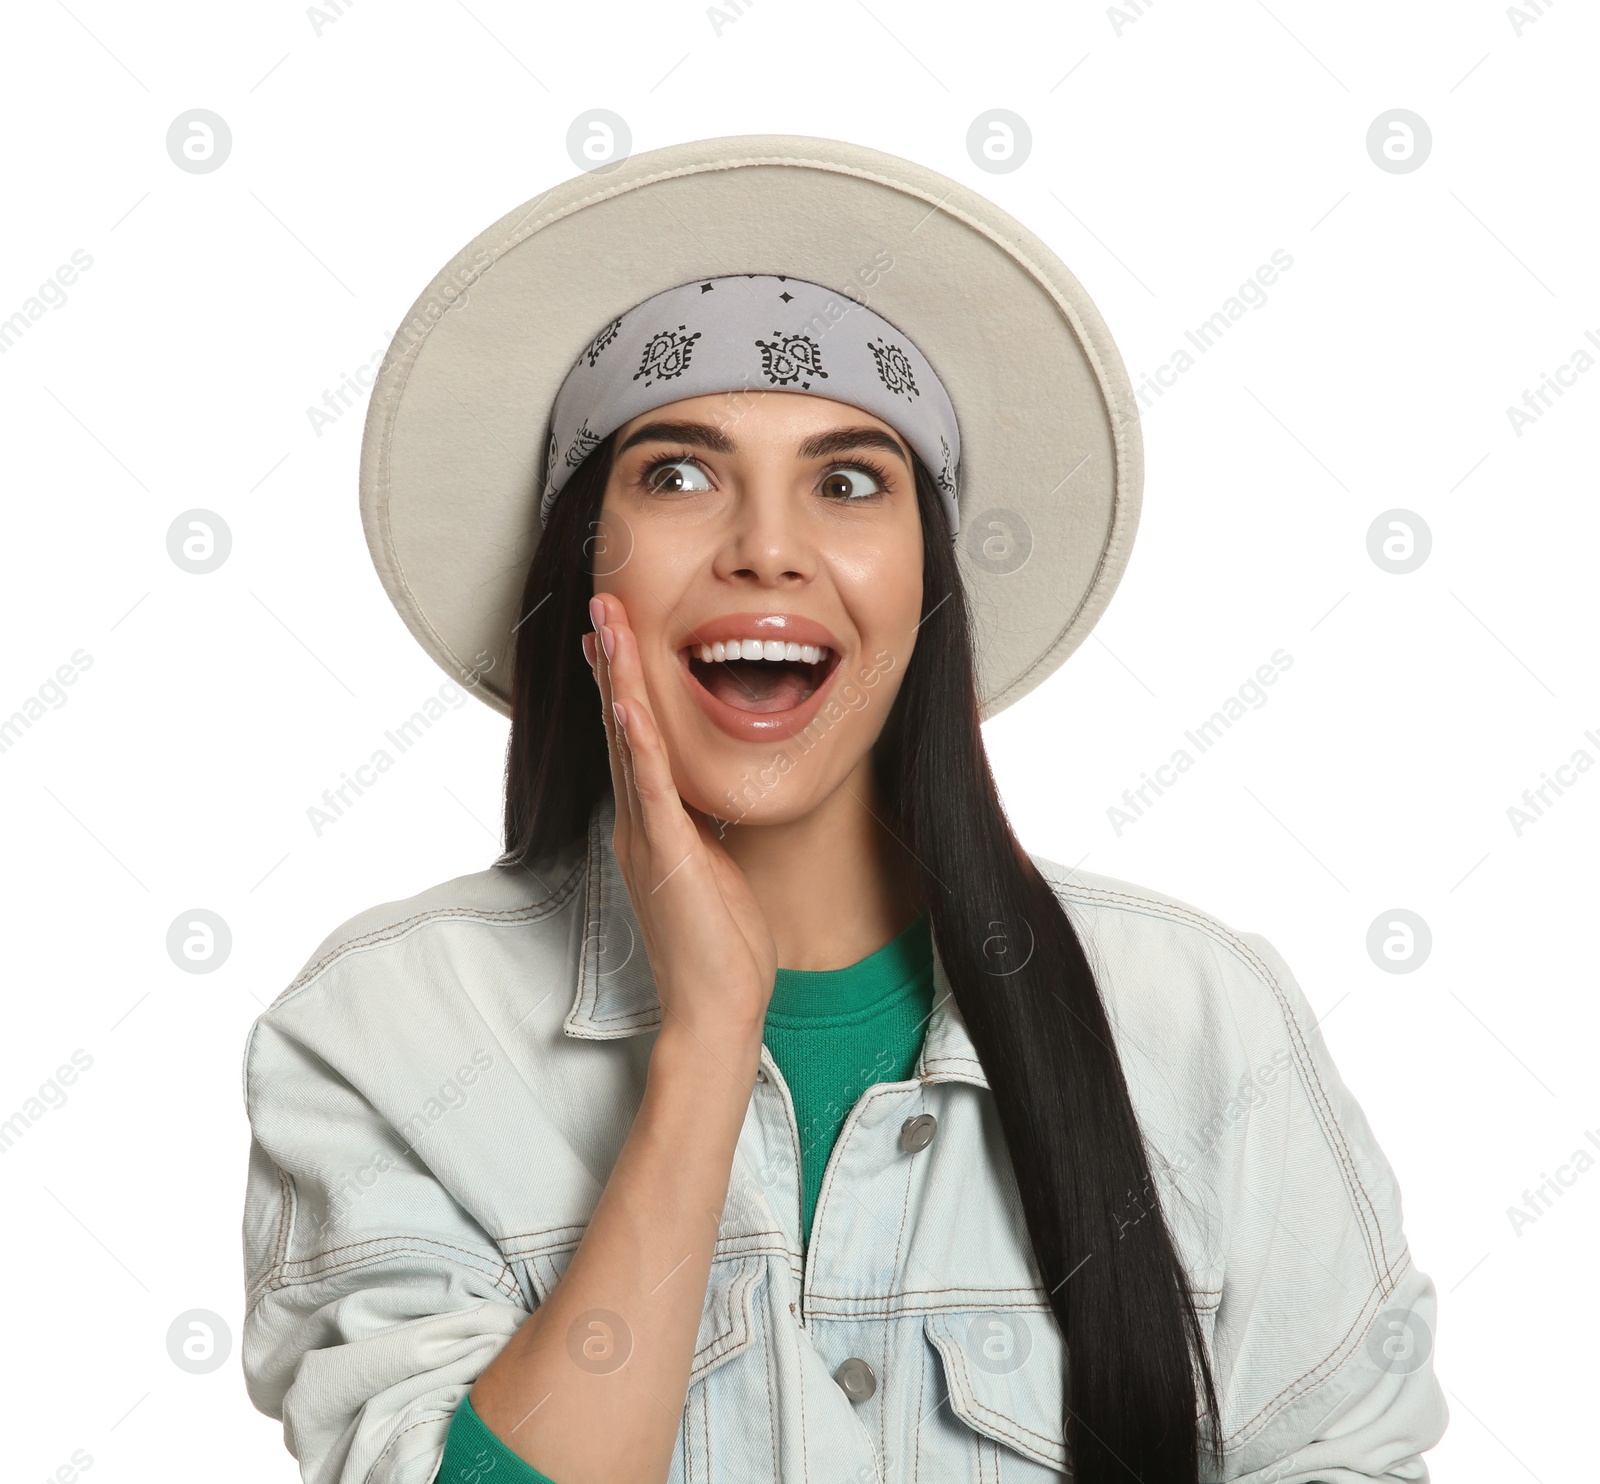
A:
[615,993]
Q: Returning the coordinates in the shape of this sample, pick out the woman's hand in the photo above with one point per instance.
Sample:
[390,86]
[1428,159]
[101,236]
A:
[709,944]
[659,1215]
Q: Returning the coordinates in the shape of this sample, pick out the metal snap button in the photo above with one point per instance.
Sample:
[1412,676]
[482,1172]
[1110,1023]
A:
[917,1133]
[856,1379]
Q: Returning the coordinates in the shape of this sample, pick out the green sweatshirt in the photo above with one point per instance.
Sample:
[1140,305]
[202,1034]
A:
[833,1033]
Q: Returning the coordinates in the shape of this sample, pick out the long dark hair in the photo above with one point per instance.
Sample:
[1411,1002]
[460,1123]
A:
[1116,1285]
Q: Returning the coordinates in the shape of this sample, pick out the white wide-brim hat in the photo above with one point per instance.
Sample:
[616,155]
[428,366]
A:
[1052,465]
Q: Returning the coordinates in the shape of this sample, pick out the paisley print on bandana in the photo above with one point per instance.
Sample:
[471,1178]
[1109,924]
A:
[894,369]
[785,359]
[749,331]
[601,341]
[581,445]
[666,355]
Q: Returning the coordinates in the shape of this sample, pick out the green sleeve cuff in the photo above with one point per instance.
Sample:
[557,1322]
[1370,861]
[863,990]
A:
[474,1455]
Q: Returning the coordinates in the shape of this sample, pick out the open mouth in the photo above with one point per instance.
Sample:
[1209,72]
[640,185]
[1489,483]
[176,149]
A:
[761,677]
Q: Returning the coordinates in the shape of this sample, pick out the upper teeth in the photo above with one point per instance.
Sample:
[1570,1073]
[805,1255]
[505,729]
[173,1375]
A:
[761,649]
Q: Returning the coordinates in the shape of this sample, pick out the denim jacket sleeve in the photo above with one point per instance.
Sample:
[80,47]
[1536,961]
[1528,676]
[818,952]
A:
[1353,1397]
[1285,1210]
[373,1300]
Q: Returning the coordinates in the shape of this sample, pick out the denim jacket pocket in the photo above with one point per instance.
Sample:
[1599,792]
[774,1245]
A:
[1003,1374]
[727,1321]
[726,1429]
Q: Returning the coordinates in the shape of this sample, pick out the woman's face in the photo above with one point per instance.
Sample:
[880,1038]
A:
[771,517]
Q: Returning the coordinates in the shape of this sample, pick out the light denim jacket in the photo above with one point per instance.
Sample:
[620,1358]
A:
[437,1100]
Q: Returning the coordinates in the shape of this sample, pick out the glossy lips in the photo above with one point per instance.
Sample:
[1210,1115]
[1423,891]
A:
[744,681]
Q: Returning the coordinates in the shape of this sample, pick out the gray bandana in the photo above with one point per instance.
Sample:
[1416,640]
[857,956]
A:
[751,331]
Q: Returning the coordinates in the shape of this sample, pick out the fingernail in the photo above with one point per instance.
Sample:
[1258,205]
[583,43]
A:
[597,612]
[621,715]
[588,648]
[605,638]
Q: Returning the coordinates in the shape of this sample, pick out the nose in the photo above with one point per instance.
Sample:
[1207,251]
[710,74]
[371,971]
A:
[766,541]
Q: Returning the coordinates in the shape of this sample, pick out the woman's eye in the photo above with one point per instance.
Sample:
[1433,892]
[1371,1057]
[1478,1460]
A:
[674,477]
[851,482]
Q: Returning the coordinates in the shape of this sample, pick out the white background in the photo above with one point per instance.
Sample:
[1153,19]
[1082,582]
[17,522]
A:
[1172,152]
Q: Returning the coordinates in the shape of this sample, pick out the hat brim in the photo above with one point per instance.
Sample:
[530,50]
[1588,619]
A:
[1052,459]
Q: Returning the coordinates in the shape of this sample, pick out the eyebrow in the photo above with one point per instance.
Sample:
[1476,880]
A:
[817,446]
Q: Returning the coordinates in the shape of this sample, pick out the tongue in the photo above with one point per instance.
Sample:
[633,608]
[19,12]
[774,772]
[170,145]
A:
[756,685]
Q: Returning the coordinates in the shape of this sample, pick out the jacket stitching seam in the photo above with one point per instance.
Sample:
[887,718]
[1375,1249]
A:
[691,1428]
[1016,1431]
[272,1277]
[1371,1224]
[1272,1405]
[286,1194]
[436,1416]
[559,1233]
[503,1280]
[1327,1119]
[594,892]
[922,1416]
[387,1237]
[1201,1295]
[769,1355]
[899,1248]
[586,1006]
[726,1248]
[872,1094]
[954,1288]
[738,1308]
[498,1281]
[705,1429]
[533,912]
[799,1339]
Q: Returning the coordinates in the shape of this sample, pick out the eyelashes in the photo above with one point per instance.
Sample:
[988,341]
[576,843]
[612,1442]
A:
[646,480]
[647,475]
[876,470]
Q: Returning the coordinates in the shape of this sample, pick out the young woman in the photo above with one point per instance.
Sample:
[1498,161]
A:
[767,1111]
